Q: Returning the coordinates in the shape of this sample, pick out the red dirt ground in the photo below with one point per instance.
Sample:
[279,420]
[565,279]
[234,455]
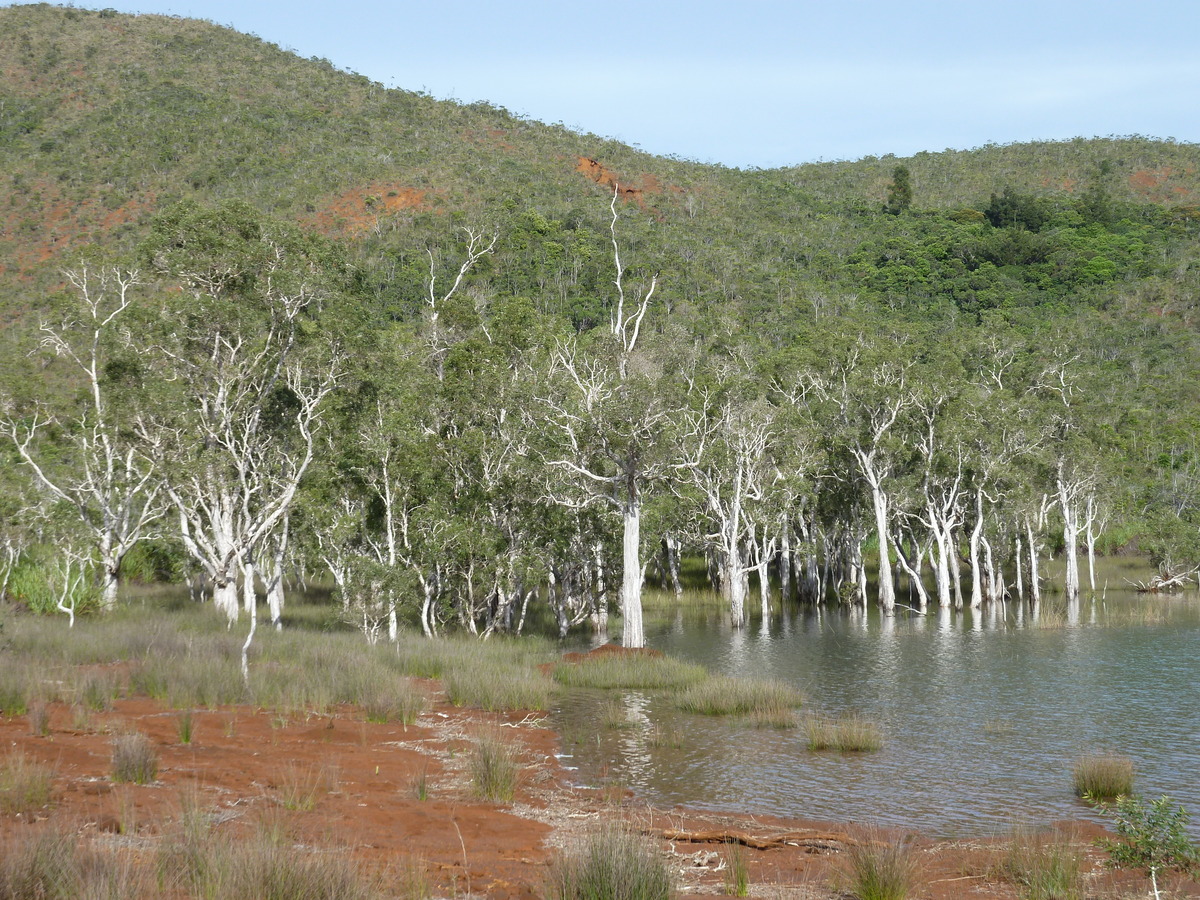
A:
[241,759]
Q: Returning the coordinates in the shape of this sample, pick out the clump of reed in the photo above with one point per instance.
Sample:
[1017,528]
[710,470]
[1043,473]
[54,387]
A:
[849,734]
[495,769]
[134,758]
[51,864]
[397,701]
[879,869]
[628,671]
[1044,867]
[499,686]
[26,786]
[610,863]
[198,861]
[302,787]
[764,700]
[737,869]
[1103,776]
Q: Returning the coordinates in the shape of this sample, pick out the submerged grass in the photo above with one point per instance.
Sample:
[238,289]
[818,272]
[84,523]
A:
[631,671]
[849,734]
[1103,776]
[725,696]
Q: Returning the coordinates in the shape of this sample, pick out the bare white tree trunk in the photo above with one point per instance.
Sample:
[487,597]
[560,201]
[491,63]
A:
[632,633]
[974,545]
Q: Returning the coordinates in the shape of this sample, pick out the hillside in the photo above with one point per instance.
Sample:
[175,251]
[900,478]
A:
[1037,302]
[107,118]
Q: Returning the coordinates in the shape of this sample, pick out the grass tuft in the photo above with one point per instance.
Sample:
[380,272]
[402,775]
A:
[1103,777]
[723,696]
[399,702]
[737,869]
[1044,867]
[495,770]
[610,863]
[25,786]
[849,734]
[880,870]
[628,671]
[498,686]
[302,787]
[134,758]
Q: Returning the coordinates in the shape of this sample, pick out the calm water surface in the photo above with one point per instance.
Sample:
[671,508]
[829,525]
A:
[982,714]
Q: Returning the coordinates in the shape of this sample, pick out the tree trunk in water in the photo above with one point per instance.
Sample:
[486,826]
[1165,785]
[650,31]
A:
[632,634]
[1020,567]
[600,607]
[1035,584]
[1091,542]
[955,571]
[974,545]
[785,563]
[1070,551]
[887,588]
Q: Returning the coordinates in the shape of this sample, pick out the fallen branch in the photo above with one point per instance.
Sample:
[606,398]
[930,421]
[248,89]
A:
[813,842]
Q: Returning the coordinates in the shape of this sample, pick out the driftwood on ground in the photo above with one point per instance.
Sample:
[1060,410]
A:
[814,842]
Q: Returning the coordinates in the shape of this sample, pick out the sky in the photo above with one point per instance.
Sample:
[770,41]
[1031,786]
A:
[765,83]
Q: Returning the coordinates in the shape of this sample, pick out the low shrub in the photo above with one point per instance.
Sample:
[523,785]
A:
[1103,777]
[1154,837]
[610,863]
[134,758]
[495,770]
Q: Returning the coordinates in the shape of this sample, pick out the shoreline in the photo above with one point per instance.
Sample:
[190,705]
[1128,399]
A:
[241,760]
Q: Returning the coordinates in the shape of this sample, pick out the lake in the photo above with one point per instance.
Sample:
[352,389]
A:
[983,714]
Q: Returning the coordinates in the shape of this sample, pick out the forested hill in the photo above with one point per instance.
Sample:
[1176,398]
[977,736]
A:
[1004,325]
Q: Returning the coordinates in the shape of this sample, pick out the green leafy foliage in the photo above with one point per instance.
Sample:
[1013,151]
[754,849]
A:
[1153,834]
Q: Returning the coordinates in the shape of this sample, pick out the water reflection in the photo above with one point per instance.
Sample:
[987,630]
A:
[983,712]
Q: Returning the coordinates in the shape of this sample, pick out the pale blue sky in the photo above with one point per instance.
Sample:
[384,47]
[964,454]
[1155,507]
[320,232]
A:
[769,83]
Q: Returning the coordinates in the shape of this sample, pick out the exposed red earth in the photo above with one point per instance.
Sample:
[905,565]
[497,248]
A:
[240,759]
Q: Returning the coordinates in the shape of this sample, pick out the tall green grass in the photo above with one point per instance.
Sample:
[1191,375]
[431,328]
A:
[1103,777]
[630,671]
[495,769]
[610,863]
[879,869]
[849,734]
[26,786]
[1044,867]
[724,696]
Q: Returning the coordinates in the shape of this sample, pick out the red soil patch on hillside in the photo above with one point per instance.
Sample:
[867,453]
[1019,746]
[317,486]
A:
[365,208]
[40,223]
[1161,184]
[629,190]
[240,761]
